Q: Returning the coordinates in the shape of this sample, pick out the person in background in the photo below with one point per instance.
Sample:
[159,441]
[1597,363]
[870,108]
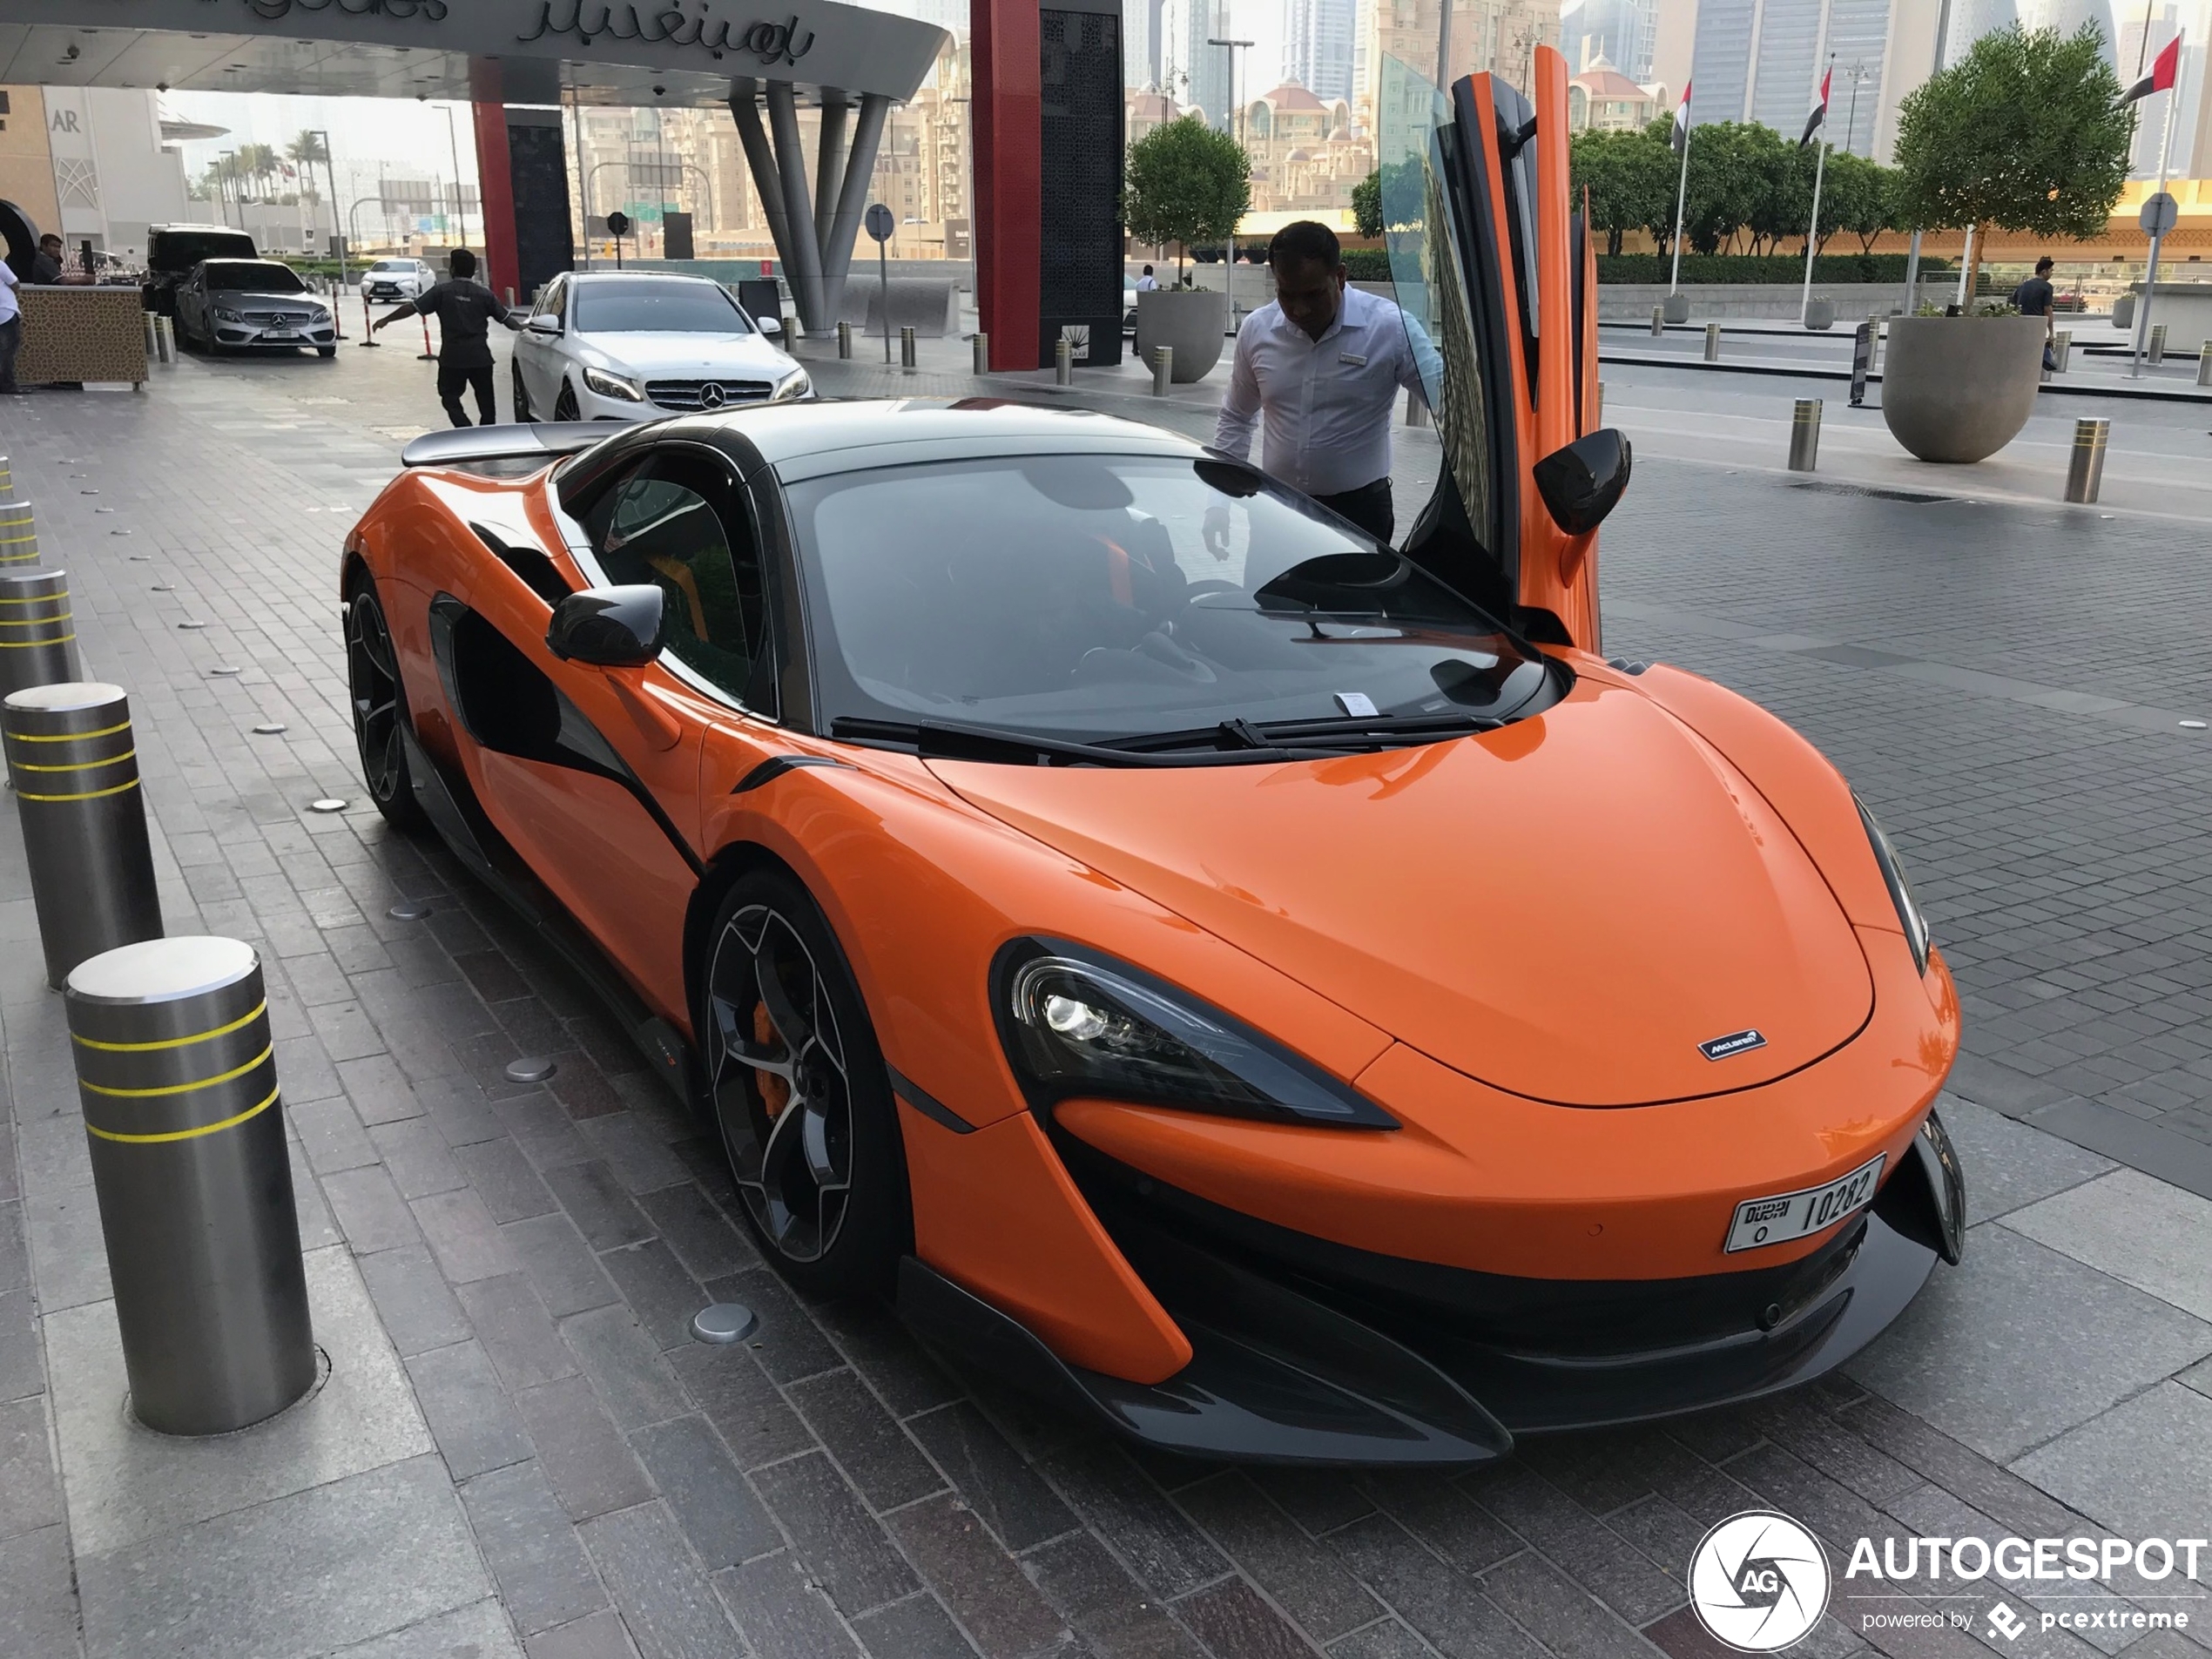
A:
[2036,298]
[10,331]
[46,265]
[1147,282]
[1318,368]
[465,310]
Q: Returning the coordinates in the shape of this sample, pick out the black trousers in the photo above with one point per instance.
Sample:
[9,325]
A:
[1369,506]
[452,381]
[11,343]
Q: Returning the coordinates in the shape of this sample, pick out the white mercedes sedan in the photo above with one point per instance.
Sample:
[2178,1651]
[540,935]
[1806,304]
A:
[625,346]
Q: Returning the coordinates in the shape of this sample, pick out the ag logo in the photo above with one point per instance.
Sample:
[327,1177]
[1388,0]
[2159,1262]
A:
[1758,1581]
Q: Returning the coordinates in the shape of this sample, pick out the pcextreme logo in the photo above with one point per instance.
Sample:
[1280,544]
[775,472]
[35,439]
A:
[1758,1581]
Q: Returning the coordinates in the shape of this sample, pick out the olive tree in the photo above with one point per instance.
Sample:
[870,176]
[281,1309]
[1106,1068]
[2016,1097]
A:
[2025,133]
[1184,183]
[1630,177]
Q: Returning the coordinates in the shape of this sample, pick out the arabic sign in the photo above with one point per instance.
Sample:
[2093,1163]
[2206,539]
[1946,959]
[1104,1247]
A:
[772,43]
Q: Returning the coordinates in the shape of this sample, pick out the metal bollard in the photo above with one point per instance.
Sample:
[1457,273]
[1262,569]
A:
[177,1075]
[1805,435]
[153,346]
[1599,415]
[165,341]
[1712,342]
[1658,320]
[1873,341]
[38,639]
[2085,472]
[1416,409]
[907,347]
[74,768]
[982,354]
[845,339]
[2157,353]
[2061,349]
[18,534]
[2203,367]
[7,480]
[1064,361]
[1162,369]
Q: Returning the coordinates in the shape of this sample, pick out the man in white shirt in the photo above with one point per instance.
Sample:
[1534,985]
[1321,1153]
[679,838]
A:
[1147,283]
[10,331]
[1318,369]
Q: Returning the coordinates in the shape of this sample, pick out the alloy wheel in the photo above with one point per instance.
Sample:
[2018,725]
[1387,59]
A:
[522,394]
[373,678]
[776,1063]
[564,406]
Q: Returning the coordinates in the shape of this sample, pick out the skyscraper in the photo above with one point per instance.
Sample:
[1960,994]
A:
[1621,32]
[1141,43]
[1191,70]
[1318,46]
[1761,60]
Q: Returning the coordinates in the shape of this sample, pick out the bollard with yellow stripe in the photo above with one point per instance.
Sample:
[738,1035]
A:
[73,763]
[38,630]
[176,1071]
[18,535]
[7,479]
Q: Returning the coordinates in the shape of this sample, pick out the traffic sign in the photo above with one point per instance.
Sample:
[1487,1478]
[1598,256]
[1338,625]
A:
[880,222]
[2160,213]
[617,224]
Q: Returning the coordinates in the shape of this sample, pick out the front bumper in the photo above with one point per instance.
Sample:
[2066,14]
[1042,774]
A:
[249,336]
[1310,1352]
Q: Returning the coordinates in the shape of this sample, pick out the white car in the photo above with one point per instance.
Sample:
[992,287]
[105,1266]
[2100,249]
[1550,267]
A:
[398,279]
[621,346]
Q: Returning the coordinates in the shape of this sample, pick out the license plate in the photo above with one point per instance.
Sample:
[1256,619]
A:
[282,334]
[1796,1215]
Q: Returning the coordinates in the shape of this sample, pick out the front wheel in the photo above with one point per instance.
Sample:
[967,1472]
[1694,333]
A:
[800,1093]
[564,406]
[380,709]
[522,394]
[326,350]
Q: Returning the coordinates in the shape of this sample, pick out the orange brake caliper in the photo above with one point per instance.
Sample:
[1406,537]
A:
[775,1092]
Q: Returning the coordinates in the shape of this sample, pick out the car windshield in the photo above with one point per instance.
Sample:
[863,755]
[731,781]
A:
[1096,598]
[651,307]
[393,268]
[181,250]
[237,276]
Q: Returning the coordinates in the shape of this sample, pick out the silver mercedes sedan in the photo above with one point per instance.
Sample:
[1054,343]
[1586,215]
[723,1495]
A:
[237,305]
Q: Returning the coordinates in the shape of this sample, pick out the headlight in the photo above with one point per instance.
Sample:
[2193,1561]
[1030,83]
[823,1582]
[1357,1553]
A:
[226,314]
[1075,1023]
[796,386]
[613,386]
[1916,925]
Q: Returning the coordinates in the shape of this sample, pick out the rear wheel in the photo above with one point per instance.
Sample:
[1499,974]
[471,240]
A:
[522,394]
[800,1093]
[379,708]
[564,406]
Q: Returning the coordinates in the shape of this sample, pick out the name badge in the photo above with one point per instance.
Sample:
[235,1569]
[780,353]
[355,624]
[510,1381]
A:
[1352,358]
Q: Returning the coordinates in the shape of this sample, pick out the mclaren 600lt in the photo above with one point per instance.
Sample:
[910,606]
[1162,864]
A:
[1292,998]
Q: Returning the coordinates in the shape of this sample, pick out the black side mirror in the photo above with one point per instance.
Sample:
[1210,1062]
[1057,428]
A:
[609,627]
[1581,483]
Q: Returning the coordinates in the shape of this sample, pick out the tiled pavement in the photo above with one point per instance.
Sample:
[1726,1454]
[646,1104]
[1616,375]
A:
[518,1451]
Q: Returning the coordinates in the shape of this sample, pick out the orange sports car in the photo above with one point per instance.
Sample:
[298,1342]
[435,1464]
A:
[1292,998]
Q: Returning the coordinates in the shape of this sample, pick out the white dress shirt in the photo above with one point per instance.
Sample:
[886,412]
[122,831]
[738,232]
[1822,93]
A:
[9,309]
[1322,405]
[1147,283]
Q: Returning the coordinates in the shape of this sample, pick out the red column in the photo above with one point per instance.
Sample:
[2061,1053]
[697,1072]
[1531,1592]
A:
[495,178]
[1005,112]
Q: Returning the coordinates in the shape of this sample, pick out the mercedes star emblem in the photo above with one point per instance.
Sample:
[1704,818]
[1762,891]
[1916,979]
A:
[710,396]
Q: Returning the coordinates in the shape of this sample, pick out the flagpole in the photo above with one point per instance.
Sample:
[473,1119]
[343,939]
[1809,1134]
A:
[1812,230]
[1682,193]
[2150,276]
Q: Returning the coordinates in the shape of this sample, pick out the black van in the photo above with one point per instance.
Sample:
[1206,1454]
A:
[173,250]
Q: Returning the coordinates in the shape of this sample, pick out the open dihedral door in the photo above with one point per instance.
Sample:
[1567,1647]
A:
[1492,265]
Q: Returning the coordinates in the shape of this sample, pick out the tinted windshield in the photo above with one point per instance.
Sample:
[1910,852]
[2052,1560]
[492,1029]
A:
[393,268]
[181,250]
[1096,598]
[237,276]
[656,308]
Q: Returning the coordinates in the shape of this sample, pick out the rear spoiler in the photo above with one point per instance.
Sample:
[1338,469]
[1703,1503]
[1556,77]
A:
[504,450]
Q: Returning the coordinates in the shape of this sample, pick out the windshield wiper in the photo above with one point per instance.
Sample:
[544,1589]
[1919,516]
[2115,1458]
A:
[938,740]
[1325,735]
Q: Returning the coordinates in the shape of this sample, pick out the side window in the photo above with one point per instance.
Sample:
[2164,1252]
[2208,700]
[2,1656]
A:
[549,297]
[676,521]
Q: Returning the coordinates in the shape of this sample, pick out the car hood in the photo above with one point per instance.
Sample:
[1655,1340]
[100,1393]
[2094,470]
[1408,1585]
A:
[1565,908]
[255,297]
[737,356]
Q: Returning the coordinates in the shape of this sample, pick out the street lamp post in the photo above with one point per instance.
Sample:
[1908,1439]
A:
[460,208]
[1236,103]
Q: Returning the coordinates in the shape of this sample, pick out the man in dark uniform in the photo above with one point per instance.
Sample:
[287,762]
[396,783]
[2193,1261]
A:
[465,310]
[48,263]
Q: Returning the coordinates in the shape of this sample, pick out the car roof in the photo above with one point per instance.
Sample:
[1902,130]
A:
[199,230]
[580,278]
[806,439]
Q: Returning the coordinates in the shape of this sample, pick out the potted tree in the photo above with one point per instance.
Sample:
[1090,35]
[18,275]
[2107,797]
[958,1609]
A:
[1184,183]
[2025,133]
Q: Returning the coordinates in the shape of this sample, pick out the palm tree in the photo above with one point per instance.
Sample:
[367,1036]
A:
[308,149]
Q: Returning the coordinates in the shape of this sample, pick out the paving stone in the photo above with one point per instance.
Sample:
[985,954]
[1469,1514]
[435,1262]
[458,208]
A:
[991,1477]
[544,1575]
[417,1306]
[470,1415]
[1442,1516]
[870,1336]
[478,1632]
[289,1578]
[2009,1164]
[625,1367]
[918,1627]
[560,1267]
[841,1542]
[664,1298]
[1444,1606]
[1389,1639]
[783,1614]
[1115,1616]
[1318,1500]
[1231,1618]
[599,1636]
[467,1242]
[517,1333]
[977,1579]
[788,1344]
[1304,1579]
[725,1523]
[39,1590]
[1548,1605]
[876,1452]
[503,1179]
[581,1450]
[744,1407]
[604,1213]
[369,1210]
[379,1091]
[2142,1231]
[15,1257]
[417,1156]
[538,1125]
[640,1159]
[30,1496]
[667,1607]
[22,1368]
[2019,1344]
[2143,1469]
[1165,1551]
[703,1240]
[67,1245]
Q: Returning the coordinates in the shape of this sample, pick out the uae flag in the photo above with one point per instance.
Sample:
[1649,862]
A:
[2163,69]
[1680,137]
[1819,110]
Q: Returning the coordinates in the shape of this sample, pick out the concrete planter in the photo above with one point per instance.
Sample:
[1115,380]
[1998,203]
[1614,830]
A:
[1191,323]
[1675,307]
[1960,389]
[1820,314]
